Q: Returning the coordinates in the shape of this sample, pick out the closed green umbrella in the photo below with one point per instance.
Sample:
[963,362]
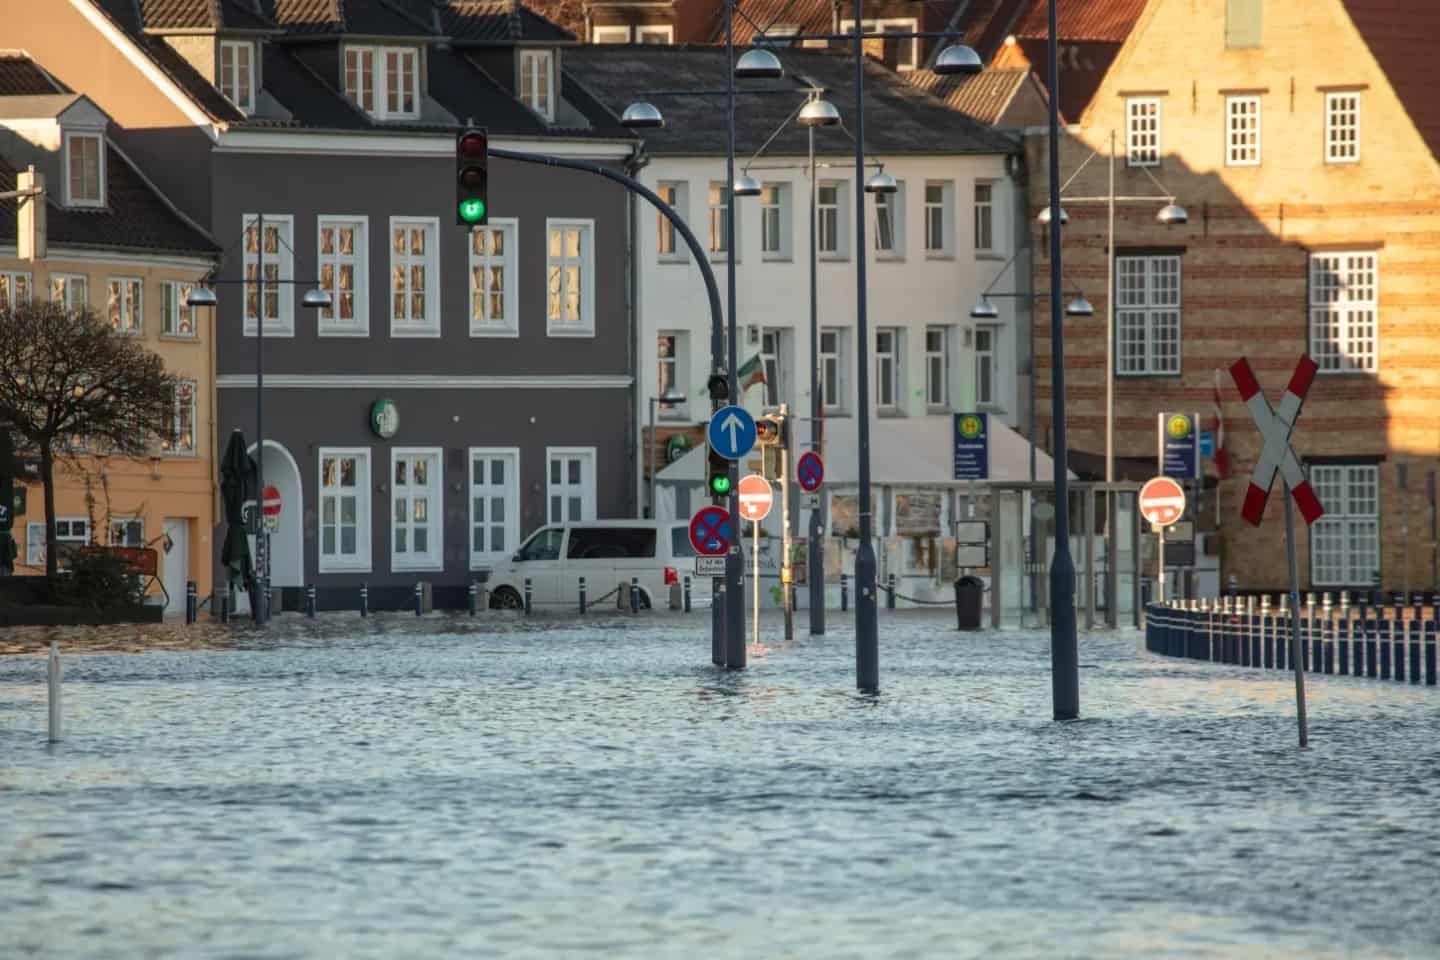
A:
[237,484]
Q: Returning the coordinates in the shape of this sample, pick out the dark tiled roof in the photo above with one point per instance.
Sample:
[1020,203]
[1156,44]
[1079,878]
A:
[901,118]
[1082,69]
[494,21]
[20,77]
[463,88]
[135,218]
[567,16]
[1403,35]
[163,15]
[380,18]
[306,16]
[1109,21]
[982,96]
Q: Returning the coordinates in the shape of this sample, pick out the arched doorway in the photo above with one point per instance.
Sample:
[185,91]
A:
[287,544]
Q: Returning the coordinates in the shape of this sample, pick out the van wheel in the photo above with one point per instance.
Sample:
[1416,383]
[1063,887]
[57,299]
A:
[506,599]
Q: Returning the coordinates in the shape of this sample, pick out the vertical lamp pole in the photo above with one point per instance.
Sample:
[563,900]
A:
[867,640]
[1064,648]
[262,578]
[734,602]
[650,459]
[816,553]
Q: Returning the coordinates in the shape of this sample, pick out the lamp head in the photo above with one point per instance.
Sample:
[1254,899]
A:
[958,59]
[642,115]
[1044,217]
[316,299]
[1172,214]
[984,309]
[758,64]
[200,297]
[818,113]
[881,182]
[1079,307]
[746,186]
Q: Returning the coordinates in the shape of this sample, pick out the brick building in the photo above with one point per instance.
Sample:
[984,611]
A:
[1302,140]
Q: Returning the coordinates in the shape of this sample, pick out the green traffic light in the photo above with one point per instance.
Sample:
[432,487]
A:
[472,210]
[719,486]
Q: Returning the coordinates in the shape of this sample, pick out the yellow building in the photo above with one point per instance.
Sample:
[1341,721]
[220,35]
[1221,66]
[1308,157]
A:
[1302,139]
[104,236]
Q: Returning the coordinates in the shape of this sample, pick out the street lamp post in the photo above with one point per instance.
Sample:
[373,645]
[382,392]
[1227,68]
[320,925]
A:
[668,398]
[315,298]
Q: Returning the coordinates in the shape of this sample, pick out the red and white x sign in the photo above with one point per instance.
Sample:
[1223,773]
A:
[1275,428]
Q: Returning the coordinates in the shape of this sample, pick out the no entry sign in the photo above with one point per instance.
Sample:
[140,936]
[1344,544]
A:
[756,497]
[1162,501]
[270,507]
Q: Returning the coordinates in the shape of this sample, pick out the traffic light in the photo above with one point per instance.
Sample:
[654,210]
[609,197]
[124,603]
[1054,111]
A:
[472,175]
[769,429]
[717,477]
[718,387]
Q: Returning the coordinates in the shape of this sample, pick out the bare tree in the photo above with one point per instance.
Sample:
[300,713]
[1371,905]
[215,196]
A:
[66,375]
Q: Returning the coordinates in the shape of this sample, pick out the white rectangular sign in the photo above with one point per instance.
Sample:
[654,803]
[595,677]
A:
[709,566]
[971,555]
[972,531]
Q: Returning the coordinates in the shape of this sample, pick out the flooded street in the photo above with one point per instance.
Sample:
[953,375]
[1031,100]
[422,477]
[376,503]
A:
[453,787]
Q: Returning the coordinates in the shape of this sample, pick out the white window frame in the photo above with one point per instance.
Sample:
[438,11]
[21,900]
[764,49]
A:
[175,311]
[716,210]
[527,63]
[943,210]
[664,30]
[775,212]
[244,100]
[377,74]
[895,359]
[895,204]
[587,455]
[1351,495]
[610,34]
[172,443]
[509,491]
[358,260]
[429,324]
[434,490]
[832,221]
[773,341]
[67,283]
[35,537]
[481,264]
[905,25]
[125,526]
[836,360]
[1149,313]
[1338,149]
[71,200]
[669,245]
[554,326]
[1142,143]
[984,213]
[1344,324]
[987,358]
[1242,130]
[937,368]
[283,325]
[679,365]
[16,288]
[128,293]
[337,562]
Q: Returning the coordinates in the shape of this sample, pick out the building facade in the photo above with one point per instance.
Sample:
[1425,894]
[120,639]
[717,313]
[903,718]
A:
[1302,141]
[106,239]
[466,385]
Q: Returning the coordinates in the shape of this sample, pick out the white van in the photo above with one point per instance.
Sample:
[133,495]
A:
[605,553]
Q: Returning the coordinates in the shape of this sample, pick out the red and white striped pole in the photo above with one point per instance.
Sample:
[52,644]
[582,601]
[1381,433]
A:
[1275,427]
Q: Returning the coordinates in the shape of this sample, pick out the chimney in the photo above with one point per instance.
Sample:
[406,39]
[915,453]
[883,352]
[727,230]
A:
[517,28]
[30,215]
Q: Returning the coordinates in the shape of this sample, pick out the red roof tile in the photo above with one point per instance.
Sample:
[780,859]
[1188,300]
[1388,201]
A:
[1101,20]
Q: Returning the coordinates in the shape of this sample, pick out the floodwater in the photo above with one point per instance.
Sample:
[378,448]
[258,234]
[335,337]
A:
[499,787]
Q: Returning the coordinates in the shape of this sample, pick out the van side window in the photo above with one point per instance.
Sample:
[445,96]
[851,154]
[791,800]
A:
[610,543]
[680,545]
[545,545]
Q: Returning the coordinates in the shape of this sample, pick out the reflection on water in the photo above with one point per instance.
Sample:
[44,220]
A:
[446,786]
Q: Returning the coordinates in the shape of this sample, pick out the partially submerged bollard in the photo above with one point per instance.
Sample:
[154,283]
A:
[310,601]
[364,600]
[192,602]
[527,596]
[419,600]
[582,596]
[473,597]
[844,592]
[634,594]
[686,600]
[52,675]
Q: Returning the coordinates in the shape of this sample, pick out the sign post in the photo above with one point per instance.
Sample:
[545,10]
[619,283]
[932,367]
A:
[1278,455]
[756,498]
[1162,502]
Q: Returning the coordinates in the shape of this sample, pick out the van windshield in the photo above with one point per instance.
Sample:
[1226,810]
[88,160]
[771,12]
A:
[545,545]
[609,543]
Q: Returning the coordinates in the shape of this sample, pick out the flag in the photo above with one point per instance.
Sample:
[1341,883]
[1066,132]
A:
[1217,425]
[751,372]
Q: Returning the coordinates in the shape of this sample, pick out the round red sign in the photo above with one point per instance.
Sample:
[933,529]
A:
[1162,501]
[271,499]
[756,497]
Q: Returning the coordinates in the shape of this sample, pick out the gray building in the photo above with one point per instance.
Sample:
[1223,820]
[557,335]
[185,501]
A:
[466,385]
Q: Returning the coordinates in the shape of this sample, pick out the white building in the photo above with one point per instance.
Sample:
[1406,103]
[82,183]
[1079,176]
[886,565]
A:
[931,249]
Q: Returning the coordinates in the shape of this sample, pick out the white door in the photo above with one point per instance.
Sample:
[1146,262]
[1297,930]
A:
[177,563]
[570,484]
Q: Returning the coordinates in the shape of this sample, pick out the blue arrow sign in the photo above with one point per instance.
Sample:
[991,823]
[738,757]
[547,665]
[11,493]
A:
[731,433]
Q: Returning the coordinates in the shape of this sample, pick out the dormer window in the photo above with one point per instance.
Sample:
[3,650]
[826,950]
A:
[537,82]
[84,170]
[237,73]
[384,81]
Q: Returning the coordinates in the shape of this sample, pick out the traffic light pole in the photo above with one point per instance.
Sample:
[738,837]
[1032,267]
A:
[734,601]
[719,644]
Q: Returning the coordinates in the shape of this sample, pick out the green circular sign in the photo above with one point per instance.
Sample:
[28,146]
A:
[471,211]
[384,418]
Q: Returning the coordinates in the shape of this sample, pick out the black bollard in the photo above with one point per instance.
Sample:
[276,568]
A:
[582,596]
[527,596]
[1372,647]
[1417,640]
[685,594]
[225,607]
[419,600]
[890,593]
[192,602]
[1431,638]
[473,597]
[364,600]
[1386,638]
[1342,642]
[310,601]
[1357,646]
[844,592]
[634,594]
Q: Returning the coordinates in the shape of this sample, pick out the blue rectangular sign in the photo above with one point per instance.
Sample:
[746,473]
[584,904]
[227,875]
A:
[1179,445]
[1207,443]
[972,446]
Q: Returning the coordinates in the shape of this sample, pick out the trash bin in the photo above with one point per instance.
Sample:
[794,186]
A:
[969,594]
